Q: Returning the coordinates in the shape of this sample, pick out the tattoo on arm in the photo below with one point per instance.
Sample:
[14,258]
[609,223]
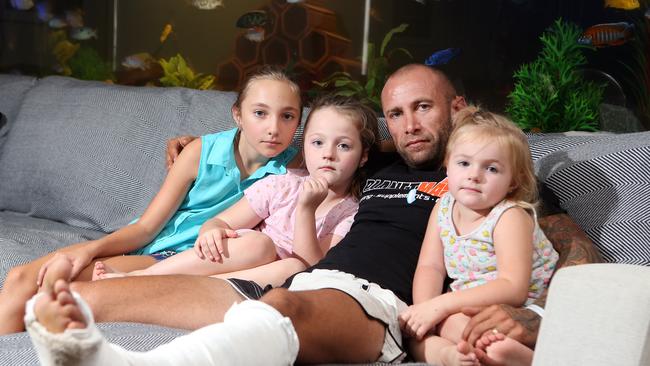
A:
[572,244]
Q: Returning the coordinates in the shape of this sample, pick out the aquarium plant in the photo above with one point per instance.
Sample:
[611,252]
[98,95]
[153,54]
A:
[178,73]
[368,90]
[550,95]
[86,64]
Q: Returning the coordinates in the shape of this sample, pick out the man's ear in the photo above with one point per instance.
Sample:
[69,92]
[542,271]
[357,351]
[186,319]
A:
[236,115]
[458,103]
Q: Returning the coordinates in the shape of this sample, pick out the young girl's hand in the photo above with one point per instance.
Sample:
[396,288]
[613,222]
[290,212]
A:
[209,244]
[313,192]
[80,258]
[420,319]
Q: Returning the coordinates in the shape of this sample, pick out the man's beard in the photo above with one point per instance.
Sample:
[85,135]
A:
[431,159]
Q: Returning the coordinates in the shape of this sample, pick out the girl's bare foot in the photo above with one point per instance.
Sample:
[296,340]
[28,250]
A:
[103,271]
[459,355]
[56,309]
[505,351]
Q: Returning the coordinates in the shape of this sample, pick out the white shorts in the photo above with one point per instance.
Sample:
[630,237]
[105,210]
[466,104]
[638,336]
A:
[377,302]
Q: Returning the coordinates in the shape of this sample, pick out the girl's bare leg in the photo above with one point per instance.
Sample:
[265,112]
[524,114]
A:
[448,348]
[20,286]
[247,251]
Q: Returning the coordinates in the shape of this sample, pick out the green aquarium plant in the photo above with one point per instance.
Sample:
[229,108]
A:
[86,64]
[550,94]
[178,73]
[368,90]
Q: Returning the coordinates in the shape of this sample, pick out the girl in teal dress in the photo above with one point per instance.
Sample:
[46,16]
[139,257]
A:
[209,175]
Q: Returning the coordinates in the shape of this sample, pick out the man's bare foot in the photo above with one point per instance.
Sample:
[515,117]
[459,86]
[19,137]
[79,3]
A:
[502,350]
[56,309]
[103,271]
[60,268]
[459,355]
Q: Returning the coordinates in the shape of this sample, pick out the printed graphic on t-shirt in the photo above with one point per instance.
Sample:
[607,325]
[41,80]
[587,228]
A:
[410,191]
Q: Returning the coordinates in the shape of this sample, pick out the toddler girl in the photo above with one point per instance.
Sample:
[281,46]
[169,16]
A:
[483,234]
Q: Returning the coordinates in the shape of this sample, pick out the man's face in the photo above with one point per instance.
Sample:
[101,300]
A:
[418,115]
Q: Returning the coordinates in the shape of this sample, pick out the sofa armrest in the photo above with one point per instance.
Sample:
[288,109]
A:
[597,314]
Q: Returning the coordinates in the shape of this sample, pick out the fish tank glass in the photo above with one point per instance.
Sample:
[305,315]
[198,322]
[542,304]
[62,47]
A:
[496,51]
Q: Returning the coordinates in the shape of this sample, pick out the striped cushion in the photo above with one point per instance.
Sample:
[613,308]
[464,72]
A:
[12,91]
[91,154]
[603,182]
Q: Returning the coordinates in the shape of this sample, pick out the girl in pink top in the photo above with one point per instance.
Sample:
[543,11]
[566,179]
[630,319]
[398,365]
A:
[297,216]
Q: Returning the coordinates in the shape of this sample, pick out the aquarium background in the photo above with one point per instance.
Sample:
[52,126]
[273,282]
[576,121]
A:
[313,39]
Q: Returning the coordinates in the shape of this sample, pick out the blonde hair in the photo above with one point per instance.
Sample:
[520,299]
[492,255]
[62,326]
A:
[366,122]
[267,73]
[472,123]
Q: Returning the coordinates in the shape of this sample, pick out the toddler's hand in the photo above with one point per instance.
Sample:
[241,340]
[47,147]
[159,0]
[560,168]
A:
[209,244]
[420,319]
[313,192]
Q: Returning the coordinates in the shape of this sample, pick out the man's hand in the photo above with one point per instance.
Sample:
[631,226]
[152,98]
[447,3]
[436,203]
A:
[519,324]
[175,146]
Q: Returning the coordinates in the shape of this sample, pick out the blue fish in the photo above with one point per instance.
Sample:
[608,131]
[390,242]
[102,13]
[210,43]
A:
[442,57]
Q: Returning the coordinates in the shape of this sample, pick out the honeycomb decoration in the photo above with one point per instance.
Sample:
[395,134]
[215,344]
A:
[301,37]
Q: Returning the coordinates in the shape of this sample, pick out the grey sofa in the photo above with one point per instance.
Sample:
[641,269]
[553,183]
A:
[80,159]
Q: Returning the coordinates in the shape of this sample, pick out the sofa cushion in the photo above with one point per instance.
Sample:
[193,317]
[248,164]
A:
[603,182]
[24,238]
[12,92]
[91,154]
[17,348]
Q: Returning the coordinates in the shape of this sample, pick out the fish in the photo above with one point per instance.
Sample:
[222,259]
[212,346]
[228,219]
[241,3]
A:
[647,13]
[167,30]
[255,34]
[74,18]
[140,61]
[83,33]
[22,4]
[43,11]
[294,1]
[206,4]
[442,57]
[607,34]
[622,4]
[252,19]
[57,23]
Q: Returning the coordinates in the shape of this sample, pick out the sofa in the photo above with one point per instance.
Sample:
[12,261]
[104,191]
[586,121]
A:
[80,159]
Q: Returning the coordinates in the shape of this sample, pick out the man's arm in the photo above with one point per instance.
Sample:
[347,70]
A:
[574,248]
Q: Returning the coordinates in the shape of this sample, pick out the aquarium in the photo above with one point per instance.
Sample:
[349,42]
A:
[494,50]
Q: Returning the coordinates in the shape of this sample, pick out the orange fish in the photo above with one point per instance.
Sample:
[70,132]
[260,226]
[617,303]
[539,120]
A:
[167,30]
[607,34]
[622,4]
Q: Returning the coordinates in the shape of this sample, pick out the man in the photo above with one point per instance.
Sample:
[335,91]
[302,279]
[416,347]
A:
[345,309]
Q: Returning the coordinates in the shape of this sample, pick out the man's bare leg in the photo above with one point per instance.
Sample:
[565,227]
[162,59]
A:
[179,301]
[331,326]
[50,327]
[57,306]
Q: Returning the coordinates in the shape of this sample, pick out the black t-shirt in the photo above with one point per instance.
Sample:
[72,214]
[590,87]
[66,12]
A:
[384,242]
